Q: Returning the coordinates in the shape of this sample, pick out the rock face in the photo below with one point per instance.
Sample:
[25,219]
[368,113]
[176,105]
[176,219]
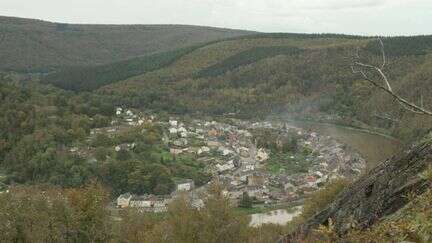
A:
[380,192]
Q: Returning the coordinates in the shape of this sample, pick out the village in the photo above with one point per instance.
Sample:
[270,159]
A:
[231,156]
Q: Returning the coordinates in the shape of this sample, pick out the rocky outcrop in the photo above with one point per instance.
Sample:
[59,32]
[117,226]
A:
[380,192]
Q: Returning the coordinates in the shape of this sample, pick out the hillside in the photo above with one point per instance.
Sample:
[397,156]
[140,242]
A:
[140,110]
[306,76]
[29,44]
[391,201]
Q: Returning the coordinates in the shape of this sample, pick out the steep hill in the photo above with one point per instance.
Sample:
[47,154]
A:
[380,195]
[27,44]
[301,74]
[308,76]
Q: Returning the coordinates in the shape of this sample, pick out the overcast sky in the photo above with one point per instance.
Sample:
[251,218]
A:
[367,17]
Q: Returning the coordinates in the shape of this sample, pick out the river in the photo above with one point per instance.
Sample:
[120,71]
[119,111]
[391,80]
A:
[374,148]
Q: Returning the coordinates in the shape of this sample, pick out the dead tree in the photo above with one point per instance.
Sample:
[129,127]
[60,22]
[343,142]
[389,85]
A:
[380,80]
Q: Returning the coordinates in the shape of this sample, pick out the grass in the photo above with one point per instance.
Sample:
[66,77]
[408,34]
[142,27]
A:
[290,163]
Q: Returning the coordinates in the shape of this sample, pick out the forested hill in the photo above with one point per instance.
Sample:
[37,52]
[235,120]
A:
[35,45]
[267,74]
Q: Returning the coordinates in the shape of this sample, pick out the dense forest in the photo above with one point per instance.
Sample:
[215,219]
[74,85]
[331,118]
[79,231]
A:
[40,46]
[40,124]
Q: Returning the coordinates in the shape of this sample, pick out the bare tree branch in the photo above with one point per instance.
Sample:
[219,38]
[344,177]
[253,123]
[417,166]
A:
[363,69]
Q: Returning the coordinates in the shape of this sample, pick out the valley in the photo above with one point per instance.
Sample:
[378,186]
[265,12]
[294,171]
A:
[272,164]
[178,133]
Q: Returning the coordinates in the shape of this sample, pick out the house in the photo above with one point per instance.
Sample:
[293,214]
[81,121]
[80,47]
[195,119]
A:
[142,202]
[124,146]
[173,123]
[160,206]
[123,200]
[213,144]
[173,130]
[203,149]
[186,185]
[119,111]
[257,192]
[225,167]
[225,151]
[129,113]
[262,155]
[311,179]
[213,133]
[255,180]
[319,174]
[243,151]
[181,142]
[197,203]
[288,187]
[176,151]
[249,167]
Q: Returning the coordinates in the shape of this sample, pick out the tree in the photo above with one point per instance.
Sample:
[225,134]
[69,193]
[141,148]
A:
[376,76]
[246,201]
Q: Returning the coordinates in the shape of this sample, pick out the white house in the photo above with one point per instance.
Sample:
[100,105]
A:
[173,123]
[262,155]
[147,203]
[123,200]
[225,167]
[119,111]
[185,186]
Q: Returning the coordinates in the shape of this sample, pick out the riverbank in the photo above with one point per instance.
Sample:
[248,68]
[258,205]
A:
[375,147]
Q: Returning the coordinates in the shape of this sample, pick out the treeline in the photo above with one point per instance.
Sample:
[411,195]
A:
[403,46]
[247,57]
[90,78]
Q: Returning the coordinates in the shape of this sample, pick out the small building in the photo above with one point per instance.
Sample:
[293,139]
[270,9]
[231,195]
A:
[173,130]
[225,151]
[176,151]
[213,133]
[288,187]
[129,113]
[119,111]
[262,155]
[225,167]
[186,185]
[255,180]
[123,201]
[249,167]
[173,123]
[213,144]
[197,203]
[181,142]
